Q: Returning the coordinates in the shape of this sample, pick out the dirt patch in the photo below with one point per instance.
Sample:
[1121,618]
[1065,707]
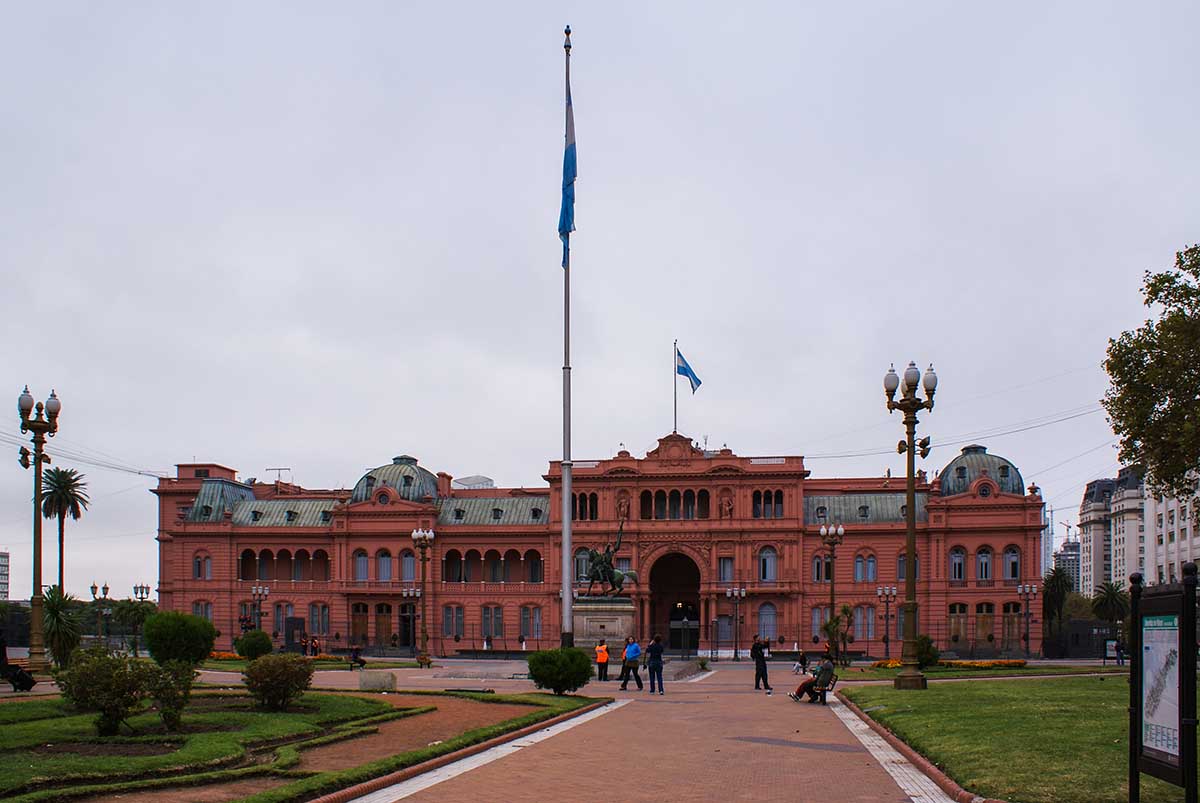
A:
[106,749]
[453,716]
[214,793]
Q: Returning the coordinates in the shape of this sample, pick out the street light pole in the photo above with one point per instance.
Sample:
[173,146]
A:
[100,600]
[832,537]
[887,595]
[910,676]
[1027,593]
[40,426]
[141,593]
[423,540]
[736,594]
[258,595]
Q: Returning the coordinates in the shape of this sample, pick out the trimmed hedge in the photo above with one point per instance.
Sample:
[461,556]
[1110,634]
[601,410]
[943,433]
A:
[174,636]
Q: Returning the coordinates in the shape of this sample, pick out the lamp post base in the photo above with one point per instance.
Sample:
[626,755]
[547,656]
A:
[568,639]
[910,679]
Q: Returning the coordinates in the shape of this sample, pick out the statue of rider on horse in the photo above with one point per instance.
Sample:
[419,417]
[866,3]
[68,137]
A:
[601,569]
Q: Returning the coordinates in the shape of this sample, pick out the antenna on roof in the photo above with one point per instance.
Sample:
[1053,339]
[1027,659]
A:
[279,473]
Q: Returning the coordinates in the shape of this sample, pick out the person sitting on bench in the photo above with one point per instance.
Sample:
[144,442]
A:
[817,684]
[356,658]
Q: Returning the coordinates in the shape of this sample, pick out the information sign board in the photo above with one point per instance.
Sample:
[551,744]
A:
[1160,688]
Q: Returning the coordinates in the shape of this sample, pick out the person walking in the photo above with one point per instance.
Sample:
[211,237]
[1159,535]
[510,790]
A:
[633,652]
[623,675]
[654,662]
[758,653]
[602,661]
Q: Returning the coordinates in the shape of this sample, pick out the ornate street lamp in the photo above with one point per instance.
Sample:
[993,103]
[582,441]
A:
[832,537]
[910,404]
[423,540]
[100,600]
[40,426]
[1027,593]
[887,595]
[737,595]
[259,595]
[141,593]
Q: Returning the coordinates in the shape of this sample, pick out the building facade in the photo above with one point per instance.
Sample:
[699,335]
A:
[3,575]
[1127,528]
[1176,537]
[1095,531]
[1067,559]
[694,524]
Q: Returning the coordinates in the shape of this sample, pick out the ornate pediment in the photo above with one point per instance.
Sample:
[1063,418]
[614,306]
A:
[674,448]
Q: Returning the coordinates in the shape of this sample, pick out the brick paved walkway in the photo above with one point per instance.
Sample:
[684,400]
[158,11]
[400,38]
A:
[717,739]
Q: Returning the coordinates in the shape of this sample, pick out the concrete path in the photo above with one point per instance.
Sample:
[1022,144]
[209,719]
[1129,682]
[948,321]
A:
[714,739]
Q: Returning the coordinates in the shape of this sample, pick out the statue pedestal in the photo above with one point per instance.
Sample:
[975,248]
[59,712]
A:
[596,618]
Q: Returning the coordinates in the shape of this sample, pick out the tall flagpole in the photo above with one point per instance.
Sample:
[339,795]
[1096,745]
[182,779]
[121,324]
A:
[568,580]
[675,384]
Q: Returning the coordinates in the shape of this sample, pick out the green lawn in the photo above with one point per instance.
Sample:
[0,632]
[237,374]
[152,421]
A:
[1031,741]
[939,672]
[239,665]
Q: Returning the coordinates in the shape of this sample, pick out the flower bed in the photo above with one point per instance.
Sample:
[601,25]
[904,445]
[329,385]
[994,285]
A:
[894,663]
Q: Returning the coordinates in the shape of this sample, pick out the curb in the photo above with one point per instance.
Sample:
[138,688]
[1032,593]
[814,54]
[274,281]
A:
[944,781]
[375,784]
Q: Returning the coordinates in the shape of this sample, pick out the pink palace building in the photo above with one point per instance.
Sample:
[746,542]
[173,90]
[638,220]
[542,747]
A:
[724,546]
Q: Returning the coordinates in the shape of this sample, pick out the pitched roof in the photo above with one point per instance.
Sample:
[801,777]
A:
[274,512]
[479,510]
[882,508]
[216,498]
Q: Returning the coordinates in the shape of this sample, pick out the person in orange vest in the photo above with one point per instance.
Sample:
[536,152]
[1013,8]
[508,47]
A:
[601,661]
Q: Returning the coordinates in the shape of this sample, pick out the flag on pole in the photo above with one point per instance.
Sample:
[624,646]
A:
[683,369]
[566,215]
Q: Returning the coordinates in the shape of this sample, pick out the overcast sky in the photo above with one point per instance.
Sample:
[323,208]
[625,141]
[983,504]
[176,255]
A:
[317,235]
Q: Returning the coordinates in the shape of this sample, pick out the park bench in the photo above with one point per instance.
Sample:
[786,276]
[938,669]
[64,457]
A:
[824,690]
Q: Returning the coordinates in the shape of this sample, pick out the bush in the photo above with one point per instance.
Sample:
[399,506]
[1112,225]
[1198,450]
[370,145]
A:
[275,681]
[561,670]
[173,636]
[113,686]
[171,687]
[60,625]
[253,644]
[927,654]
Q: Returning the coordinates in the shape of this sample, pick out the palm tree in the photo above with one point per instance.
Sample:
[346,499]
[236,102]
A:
[1110,602]
[61,625]
[64,493]
[1057,585]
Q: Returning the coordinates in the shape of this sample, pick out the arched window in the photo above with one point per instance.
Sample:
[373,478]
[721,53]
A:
[702,505]
[581,565]
[533,567]
[574,507]
[320,565]
[901,563]
[283,565]
[593,507]
[673,505]
[204,609]
[1012,608]
[472,566]
[766,621]
[984,608]
[767,558]
[493,569]
[660,504]
[860,569]
[822,569]
[383,566]
[302,565]
[779,504]
[756,505]
[362,565]
[871,573]
[1012,563]
[248,565]
[983,564]
[647,504]
[408,566]
[452,567]
[201,567]
[958,609]
[958,564]
[689,504]
[512,566]
[768,505]
[266,564]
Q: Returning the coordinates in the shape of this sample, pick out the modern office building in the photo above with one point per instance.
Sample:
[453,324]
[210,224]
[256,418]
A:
[1127,528]
[1067,559]
[1095,535]
[4,575]
[1175,537]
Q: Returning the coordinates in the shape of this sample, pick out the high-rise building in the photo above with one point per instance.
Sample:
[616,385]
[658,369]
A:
[1095,541]
[1176,537]
[1067,559]
[3,575]
[1127,535]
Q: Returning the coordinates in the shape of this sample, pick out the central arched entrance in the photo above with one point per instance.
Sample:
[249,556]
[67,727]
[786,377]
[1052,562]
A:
[675,601]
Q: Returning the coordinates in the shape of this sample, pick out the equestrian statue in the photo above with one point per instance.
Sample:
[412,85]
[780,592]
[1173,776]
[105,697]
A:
[601,569]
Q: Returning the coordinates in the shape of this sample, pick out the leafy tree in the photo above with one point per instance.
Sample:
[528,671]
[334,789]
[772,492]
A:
[1077,606]
[1110,602]
[112,686]
[1057,586]
[1153,401]
[174,636]
[60,624]
[64,493]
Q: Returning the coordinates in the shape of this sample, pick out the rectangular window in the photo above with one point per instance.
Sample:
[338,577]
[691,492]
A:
[725,570]
[625,564]
[452,621]
[408,567]
[493,622]
[531,623]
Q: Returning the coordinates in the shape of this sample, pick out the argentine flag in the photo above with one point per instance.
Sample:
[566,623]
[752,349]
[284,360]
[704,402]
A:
[683,369]
[566,215]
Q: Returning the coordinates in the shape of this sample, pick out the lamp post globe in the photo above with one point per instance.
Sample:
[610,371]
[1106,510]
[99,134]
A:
[423,539]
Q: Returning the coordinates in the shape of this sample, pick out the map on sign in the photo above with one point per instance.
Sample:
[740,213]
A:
[1160,686]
